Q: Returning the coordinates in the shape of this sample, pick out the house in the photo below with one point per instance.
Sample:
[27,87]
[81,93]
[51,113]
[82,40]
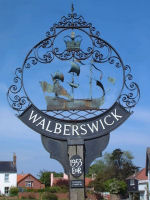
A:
[148,168]
[8,175]
[28,181]
[138,185]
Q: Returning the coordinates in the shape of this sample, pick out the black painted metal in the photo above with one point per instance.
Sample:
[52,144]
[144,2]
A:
[77,129]
[94,149]
[129,94]
[59,150]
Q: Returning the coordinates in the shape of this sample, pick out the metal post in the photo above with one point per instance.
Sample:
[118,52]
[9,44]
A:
[76,193]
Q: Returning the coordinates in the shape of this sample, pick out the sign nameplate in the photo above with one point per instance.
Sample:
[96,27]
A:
[77,184]
[83,129]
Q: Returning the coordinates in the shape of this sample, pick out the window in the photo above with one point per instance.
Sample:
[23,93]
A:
[6,190]
[132,182]
[6,177]
[29,183]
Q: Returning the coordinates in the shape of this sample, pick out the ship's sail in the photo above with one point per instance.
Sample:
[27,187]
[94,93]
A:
[98,83]
[46,87]
[75,68]
[58,76]
[73,85]
[56,88]
[60,91]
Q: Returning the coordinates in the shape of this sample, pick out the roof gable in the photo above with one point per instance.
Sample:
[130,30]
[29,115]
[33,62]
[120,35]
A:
[21,177]
[7,166]
[141,175]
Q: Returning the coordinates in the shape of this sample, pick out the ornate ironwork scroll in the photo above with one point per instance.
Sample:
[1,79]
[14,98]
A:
[16,97]
[131,92]
[98,50]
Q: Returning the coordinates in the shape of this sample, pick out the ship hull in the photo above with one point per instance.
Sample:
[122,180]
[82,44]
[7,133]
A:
[74,104]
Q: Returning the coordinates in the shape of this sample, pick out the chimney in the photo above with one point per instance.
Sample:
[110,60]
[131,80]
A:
[65,176]
[14,159]
[52,179]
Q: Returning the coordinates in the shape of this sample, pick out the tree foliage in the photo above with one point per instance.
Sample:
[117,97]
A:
[97,167]
[45,176]
[13,191]
[115,186]
[121,163]
[62,183]
[112,171]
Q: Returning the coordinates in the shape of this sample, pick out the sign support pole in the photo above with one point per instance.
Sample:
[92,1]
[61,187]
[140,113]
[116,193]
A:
[76,193]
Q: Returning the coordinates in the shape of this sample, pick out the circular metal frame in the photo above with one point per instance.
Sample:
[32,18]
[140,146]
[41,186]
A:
[17,95]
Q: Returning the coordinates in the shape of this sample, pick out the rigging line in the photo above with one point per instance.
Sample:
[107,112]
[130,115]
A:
[97,68]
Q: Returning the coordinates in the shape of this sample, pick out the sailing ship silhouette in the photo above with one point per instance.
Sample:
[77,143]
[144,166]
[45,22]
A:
[62,100]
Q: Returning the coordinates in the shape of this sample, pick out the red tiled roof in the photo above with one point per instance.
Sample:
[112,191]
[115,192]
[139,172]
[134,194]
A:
[21,176]
[141,175]
[87,181]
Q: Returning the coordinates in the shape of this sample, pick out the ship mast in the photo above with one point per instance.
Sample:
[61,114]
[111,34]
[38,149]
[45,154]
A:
[75,70]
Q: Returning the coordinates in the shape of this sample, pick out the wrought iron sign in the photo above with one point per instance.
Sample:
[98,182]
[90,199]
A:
[73,85]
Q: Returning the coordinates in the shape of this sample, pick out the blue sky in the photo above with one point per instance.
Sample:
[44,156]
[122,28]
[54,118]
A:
[124,24]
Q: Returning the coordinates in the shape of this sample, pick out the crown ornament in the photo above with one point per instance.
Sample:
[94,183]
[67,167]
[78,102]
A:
[73,42]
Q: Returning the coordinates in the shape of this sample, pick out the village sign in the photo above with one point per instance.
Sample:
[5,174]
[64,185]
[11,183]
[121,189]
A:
[87,90]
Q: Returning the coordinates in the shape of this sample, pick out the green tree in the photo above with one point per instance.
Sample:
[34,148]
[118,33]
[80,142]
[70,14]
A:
[117,165]
[121,163]
[56,174]
[13,191]
[44,177]
[96,168]
[115,186]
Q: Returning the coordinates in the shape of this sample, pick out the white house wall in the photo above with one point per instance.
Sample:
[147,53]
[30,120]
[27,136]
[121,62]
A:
[143,188]
[11,183]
